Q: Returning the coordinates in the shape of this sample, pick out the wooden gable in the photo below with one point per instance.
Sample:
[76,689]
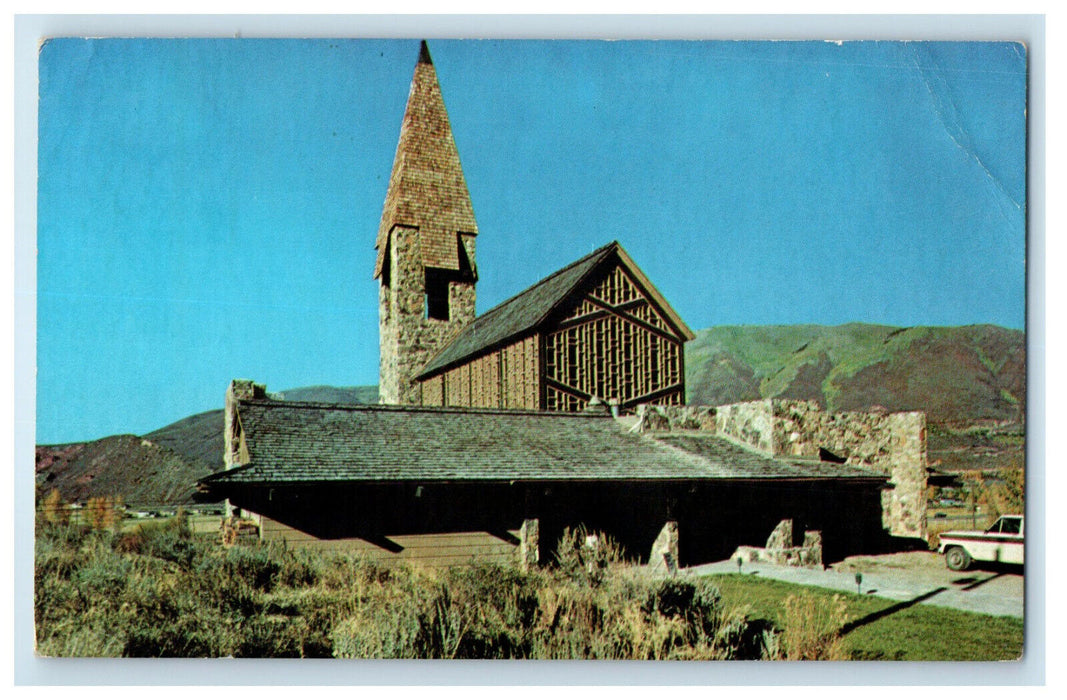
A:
[617,340]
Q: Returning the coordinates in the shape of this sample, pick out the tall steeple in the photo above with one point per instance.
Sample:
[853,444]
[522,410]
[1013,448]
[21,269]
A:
[425,262]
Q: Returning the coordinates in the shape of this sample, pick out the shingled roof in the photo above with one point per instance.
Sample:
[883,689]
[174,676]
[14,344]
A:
[290,442]
[525,311]
[518,314]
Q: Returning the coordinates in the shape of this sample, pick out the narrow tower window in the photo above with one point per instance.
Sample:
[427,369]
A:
[436,295]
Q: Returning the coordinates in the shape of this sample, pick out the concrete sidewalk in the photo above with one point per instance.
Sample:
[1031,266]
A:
[986,592]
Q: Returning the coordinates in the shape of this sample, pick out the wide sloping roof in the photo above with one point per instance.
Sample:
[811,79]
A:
[309,442]
[525,311]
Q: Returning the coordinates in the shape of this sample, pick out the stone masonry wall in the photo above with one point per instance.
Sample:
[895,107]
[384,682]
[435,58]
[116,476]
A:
[408,340]
[892,443]
[750,423]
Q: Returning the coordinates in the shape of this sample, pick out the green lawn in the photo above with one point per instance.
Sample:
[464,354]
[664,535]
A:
[885,629]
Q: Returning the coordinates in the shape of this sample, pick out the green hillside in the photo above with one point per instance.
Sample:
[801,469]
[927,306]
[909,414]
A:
[958,375]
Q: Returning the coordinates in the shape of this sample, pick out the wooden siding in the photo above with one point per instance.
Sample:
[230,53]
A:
[505,378]
[430,550]
[433,391]
[614,345]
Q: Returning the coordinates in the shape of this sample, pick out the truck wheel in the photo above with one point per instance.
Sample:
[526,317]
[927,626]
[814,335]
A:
[957,558]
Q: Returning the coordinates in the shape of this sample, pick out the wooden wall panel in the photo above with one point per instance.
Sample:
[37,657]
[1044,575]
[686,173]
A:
[433,391]
[438,549]
[614,345]
[506,378]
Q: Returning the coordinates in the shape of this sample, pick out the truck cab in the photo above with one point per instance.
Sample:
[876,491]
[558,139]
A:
[1002,542]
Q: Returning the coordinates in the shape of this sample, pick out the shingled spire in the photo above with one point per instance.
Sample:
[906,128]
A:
[425,262]
[427,189]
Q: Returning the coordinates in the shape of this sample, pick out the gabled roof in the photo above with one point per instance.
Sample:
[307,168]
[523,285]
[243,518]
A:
[290,442]
[427,189]
[525,311]
[518,314]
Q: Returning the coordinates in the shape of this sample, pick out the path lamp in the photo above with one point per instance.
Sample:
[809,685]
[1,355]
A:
[859,581]
[739,560]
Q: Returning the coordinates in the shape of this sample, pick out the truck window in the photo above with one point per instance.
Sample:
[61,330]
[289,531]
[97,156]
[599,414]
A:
[1009,526]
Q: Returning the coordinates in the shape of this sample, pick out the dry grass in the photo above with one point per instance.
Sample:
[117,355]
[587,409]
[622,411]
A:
[161,590]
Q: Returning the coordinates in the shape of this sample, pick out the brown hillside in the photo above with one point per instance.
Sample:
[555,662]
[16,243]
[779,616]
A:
[137,469]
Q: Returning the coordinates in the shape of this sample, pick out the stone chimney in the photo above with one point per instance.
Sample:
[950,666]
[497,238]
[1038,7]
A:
[235,452]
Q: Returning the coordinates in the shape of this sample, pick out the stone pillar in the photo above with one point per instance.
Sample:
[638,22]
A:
[781,536]
[529,552]
[780,544]
[811,550]
[905,512]
[664,555]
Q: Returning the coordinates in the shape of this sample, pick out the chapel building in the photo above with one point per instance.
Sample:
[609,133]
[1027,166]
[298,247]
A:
[488,443]
[598,329]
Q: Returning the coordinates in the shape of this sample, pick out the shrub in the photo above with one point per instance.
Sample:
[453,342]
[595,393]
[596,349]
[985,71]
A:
[82,641]
[1008,495]
[158,590]
[501,607]
[103,512]
[811,629]
[389,628]
[256,565]
[299,568]
[276,637]
[586,557]
[102,575]
[171,540]
[194,631]
[53,510]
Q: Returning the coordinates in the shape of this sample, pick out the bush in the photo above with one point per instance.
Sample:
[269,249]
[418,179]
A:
[811,629]
[586,557]
[103,512]
[158,590]
[53,511]
[256,566]
[171,540]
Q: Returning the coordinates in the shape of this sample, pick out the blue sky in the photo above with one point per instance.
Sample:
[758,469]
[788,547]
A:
[207,208]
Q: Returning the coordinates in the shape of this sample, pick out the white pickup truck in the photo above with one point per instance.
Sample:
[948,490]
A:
[1002,542]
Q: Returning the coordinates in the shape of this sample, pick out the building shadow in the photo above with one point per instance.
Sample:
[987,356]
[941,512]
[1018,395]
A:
[886,612]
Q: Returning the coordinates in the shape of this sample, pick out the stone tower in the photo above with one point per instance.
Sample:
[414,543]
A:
[425,263]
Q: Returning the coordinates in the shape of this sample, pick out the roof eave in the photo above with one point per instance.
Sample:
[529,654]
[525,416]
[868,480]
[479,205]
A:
[274,483]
